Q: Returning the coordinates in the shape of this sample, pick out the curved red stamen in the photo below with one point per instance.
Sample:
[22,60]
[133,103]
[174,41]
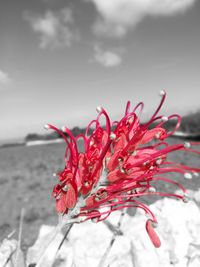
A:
[163,96]
[141,105]
[127,107]
[66,140]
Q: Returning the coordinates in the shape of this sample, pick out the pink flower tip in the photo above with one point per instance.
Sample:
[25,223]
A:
[152,233]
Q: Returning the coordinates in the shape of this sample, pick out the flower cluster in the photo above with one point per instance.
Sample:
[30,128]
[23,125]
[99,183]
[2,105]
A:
[121,161]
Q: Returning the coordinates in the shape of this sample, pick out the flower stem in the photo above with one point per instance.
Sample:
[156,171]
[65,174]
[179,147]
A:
[112,241]
[62,241]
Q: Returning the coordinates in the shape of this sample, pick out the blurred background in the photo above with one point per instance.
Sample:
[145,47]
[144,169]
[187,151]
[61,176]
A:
[59,59]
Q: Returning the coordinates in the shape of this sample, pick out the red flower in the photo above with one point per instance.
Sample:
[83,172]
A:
[118,166]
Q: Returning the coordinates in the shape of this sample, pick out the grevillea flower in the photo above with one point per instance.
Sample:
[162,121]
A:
[119,164]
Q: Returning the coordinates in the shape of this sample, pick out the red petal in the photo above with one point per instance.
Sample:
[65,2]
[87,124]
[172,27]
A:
[60,204]
[71,195]
[115,176]
[120,143]
[150,134]
[85,189]
[66,174]
[152,234]
[90,201]
[113,162]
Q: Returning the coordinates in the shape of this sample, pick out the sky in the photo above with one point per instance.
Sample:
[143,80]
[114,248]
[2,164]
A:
[59,59]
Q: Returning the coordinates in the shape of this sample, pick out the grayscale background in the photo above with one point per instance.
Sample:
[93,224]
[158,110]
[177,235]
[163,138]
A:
[60,59]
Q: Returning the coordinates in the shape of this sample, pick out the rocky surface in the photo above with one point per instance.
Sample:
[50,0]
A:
[178,229]
[10,254]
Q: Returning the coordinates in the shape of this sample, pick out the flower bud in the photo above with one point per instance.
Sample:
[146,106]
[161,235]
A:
[152,233]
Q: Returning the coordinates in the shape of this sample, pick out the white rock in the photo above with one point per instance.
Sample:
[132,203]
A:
[193,255]
[8,250]
[89,242]
[178,229]
[179,225]
[195,262]
[47,233]
[195,195]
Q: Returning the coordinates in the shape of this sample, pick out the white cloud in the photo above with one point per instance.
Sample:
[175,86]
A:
[117,16]
[4,78]
[56,29]
[107,59]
